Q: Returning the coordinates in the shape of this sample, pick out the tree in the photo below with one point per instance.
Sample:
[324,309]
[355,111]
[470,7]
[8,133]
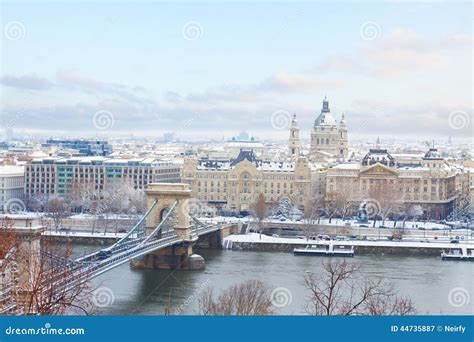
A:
[331,205]
[388,200]
[259,210]
[8,239]
[284,208]
[118,197]
[82,195]
[57,210]
[311,215]
[250,298]
[339,201]
[45,292]
[33,278]
[340,289]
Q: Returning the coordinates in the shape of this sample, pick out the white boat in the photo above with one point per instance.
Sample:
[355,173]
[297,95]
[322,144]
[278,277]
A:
[325,250]
[459,253]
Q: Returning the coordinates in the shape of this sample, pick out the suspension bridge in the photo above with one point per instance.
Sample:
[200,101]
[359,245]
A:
[162,238]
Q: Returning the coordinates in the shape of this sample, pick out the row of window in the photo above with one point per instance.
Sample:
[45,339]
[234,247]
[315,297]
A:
[244,176]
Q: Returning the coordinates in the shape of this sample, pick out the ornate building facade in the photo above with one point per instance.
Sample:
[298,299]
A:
[429,182]
[328,140]
[236,184]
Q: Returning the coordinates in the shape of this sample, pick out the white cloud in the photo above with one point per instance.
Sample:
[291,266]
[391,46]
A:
[401,52]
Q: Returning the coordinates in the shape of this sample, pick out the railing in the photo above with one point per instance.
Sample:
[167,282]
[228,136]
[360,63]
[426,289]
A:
[72,273]
[135,228]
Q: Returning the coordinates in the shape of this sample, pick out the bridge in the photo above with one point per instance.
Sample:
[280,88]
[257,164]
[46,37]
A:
[163,238]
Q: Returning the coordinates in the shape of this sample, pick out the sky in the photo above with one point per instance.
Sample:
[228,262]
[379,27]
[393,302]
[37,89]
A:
[212,69]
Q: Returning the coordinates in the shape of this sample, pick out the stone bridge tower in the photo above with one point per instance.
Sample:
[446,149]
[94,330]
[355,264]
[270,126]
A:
[179,256]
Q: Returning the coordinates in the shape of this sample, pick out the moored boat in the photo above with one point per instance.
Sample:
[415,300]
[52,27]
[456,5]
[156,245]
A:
[461,253]
[325,250]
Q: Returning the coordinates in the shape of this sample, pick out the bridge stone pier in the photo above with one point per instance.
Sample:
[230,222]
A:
[178,256]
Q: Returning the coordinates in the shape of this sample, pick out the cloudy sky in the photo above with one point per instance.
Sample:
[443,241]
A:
[213,69]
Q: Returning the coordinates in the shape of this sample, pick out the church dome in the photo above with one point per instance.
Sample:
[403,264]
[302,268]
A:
[325,118]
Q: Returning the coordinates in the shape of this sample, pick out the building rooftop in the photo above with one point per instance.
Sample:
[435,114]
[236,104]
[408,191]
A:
[433,154]
[12,170]
[98,160]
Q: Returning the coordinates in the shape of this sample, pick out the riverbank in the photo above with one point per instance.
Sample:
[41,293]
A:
[260,242]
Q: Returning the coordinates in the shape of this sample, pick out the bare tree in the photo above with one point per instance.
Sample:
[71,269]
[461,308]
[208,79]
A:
[341,290]
[331,205]
[389,199]
[57,210]
[250,298]
[311,215]
[46,291]
[339,201]
[82,195]
[36,275]
[8,239]
[259,210]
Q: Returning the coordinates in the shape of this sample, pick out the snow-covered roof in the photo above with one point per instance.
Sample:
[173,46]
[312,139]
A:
[347,166]
[247,144]
[11,170]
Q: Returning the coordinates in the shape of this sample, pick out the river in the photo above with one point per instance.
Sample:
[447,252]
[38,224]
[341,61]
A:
[427,280]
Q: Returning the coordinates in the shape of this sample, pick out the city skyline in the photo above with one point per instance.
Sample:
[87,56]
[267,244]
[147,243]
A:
[226,68]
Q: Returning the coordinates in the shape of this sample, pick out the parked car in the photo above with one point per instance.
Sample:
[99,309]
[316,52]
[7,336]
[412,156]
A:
[341,238]
[394,238]
[454,241]
[363,226]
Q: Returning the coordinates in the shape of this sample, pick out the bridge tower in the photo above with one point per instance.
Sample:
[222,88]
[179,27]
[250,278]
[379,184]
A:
[20,265]
[179,256]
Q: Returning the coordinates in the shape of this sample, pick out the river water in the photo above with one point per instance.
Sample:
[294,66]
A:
[436,287]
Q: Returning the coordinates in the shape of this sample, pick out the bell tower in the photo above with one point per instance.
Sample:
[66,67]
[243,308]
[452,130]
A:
[343,140]
[294,145]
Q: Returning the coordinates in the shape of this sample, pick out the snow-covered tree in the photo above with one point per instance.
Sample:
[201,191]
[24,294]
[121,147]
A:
[284,207]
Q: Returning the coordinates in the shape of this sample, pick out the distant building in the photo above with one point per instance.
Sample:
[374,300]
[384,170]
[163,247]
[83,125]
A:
[428,182]
[169,137]
[56,175]
[84,147]
[243,137]
[11,185]
[236,184]
[328,140]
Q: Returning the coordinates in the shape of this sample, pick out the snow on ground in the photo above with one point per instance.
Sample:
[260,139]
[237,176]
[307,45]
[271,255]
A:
[335,222]
[108,216]
[261,238]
